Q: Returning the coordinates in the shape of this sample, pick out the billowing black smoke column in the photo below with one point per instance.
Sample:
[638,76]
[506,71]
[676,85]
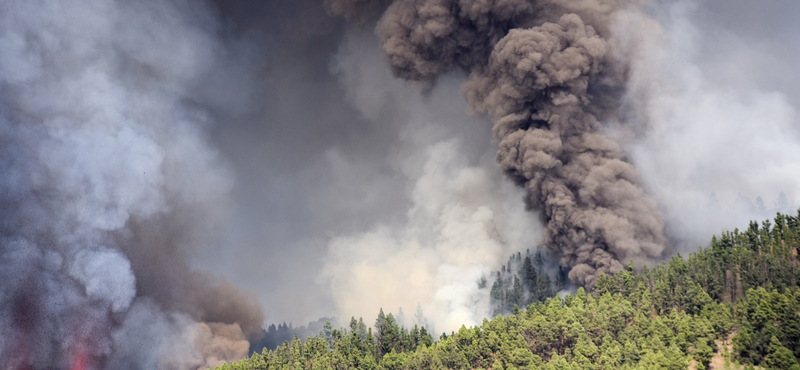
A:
[546,75]
[107,182]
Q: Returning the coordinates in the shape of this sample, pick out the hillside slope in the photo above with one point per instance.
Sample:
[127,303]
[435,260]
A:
[665,317]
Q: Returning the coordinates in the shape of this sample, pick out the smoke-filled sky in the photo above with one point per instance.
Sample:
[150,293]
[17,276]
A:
[332,149]
[330,159]
[158,155]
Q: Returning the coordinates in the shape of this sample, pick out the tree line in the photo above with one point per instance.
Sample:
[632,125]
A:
[741,290]
[521,282]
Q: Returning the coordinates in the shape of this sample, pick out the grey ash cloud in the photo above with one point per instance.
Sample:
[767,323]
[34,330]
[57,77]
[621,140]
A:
[536,70]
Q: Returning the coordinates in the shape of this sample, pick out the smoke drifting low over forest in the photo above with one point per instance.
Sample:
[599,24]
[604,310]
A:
[176,173]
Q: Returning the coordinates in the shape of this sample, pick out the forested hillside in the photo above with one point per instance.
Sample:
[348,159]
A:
[741,291]
[523,281]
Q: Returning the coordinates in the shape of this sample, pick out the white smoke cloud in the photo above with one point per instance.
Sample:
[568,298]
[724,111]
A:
[464,219]
[109,176]
[106,159]
[710,125]
[459,229]
[105,274]
[154,339]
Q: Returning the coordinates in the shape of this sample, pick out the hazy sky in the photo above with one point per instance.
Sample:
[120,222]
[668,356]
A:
[321,142]
[181,166]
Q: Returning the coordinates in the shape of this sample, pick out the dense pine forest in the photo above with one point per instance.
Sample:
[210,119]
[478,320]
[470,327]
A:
[730,305]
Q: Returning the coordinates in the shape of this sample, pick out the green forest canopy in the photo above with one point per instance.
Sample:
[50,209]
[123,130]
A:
[741,290]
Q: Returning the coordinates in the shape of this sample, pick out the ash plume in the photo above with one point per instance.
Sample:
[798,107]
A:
[545,73]
[142,139]
[461,219]
[108,185]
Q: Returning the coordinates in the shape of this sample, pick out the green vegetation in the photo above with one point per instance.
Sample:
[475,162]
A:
[741,291]
[522,282]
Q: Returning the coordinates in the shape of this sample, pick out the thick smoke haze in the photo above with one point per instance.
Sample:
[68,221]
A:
[108,183]
[463,217]
[175,173]
[714,191]
[721,137]
[534,71]
[308,166]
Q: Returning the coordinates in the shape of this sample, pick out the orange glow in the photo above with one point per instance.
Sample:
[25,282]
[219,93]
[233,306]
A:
[80,361]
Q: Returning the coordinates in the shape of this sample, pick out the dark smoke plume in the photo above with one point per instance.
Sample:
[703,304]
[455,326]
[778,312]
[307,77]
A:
[108,183]
[543,72]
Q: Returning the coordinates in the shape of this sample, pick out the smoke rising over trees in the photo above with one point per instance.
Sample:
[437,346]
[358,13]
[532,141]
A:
[147,147]
[534,70]
[734,302]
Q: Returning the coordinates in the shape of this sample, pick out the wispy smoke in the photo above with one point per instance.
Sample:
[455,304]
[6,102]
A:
[535,70]
[123,125]
[319,158]
[458,227]
[719,107]
[358,10]
[108,182]
[463,218]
